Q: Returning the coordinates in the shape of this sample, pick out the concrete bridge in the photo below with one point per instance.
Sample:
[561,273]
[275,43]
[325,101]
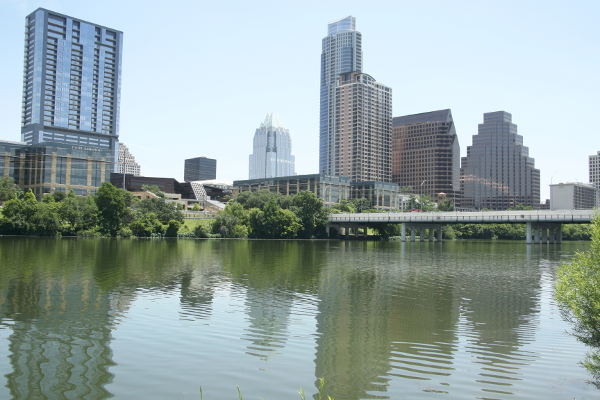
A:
[542,225]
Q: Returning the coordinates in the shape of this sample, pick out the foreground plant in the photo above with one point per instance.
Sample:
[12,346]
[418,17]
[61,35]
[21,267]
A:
[301,391]
[578,297]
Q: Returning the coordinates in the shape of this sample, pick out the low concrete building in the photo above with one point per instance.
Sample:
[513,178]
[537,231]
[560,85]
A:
[573,196]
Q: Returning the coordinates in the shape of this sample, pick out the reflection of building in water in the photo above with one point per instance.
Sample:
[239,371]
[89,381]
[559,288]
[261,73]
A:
[367,323]
[197,293]
[60,338]
[268,311]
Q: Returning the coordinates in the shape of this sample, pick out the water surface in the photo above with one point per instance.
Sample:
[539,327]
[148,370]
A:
[157,319]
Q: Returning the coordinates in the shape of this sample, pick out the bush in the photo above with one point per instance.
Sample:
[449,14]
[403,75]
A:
[578,296]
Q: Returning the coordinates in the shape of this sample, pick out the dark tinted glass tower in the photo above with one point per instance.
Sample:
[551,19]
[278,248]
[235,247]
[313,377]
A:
[72,82]
[497,172]
[426,154]
[200,169]
[71,96]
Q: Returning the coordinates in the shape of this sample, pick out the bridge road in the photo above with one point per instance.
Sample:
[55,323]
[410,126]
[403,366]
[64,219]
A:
[543,226]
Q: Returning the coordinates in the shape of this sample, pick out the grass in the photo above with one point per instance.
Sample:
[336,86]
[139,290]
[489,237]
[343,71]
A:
[301,392]
[191,224]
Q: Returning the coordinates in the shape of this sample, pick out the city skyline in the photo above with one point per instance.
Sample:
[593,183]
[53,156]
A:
[543,75]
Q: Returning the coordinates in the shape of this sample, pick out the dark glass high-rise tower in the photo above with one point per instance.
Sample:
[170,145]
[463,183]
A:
[72,82]
[497,172]
[356,111]
[341,53]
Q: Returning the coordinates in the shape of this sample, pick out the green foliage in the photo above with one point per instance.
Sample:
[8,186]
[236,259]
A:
[60,196]
[196,207]
[445,205]
[312,215]
[423,203]
[386,231]
[343,206]
[78,213]
[172,228]
[153,189]
[48,198]
[578,297]
[361,205]
[203,230]
[111,208]
[8,189]
[273,222]
[147,225]
[164,211]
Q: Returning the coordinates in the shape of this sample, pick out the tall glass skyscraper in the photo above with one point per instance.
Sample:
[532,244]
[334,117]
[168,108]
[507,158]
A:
[497,172]
[72,82]
[71,96]
[272,151]
[341,53]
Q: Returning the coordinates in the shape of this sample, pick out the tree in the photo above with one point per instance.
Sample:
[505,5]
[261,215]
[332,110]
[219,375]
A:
[111,208]
[78,213]
[362,204]
[164,211]
[8,189]
[146,225]
[273,222]
[154,189]
[60,196]
[578,297]
[343,206]
[445,205]
[312,214]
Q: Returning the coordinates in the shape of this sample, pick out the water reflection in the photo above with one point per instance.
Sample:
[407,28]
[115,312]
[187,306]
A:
[390,319]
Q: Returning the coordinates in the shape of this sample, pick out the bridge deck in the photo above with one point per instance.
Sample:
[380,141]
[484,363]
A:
[461,217]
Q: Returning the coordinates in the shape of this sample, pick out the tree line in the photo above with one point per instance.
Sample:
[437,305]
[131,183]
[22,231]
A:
[260,214]
[110,212]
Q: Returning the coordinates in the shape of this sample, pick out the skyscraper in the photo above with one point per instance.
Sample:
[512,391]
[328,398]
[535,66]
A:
[594,168]
[127,163]
[71,95]
[272,151]
[200,169]
[72,82]
[356,111]
[497,172]
[426,154]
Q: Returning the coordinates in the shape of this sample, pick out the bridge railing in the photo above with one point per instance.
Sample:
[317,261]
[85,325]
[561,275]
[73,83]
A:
[461,217]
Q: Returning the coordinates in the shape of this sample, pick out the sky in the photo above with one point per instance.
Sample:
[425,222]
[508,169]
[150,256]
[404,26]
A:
[198,77]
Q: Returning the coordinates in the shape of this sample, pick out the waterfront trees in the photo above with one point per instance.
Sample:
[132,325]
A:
[8,189]
[578,297]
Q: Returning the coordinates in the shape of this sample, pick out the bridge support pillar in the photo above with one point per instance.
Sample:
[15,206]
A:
[528,233]
[404,231]
[544,235]
[422,234]
[537,234]
[431,234]
[412,233]
[439,233]
[347,231]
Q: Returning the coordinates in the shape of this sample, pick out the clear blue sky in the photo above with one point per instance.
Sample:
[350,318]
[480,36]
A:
[200,76]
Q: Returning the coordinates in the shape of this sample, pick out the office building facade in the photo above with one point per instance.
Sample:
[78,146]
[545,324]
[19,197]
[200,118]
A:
[72,82]
[272,150]
[355,111]
[573,196]
[594,168]
[200,169]
[126,162]
[497,172]
[426,154]
[70,106]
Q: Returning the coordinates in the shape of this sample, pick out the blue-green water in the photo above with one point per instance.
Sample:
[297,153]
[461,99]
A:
[157,319]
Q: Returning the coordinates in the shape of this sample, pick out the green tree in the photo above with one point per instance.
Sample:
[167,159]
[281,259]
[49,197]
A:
[361,205]
[445,205]
[45,220]
[154,189]
[578,297]
[172,228]
[8,189]
[312,215]
[343,206]
[60,196]
[164,211]
[78,213]
[146,225]
[111,208]
[273,222]
[256,199]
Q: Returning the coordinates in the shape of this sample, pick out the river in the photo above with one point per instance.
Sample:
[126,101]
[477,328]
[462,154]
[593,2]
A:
[159,318]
